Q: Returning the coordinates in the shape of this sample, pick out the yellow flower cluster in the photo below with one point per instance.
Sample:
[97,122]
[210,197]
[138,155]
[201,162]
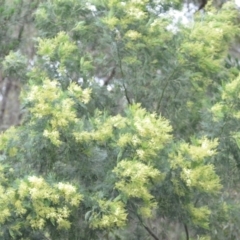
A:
[151,133]
[111,22]
[133,35]
[60,45]
[53,136]
[228,106]
[112,214]
[218,111]
[103,128]
[51,103]
[145,133]
[135,182]
[4,137]
[82,95]
[191,159]
[132,11]
[35,202]
[199,215]
[135,12]
[232,89]
[4,201]
[208,41]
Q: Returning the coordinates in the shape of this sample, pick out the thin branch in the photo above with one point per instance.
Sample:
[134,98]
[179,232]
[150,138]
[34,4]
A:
[110,77]
[164,88]
[150,232]
[20,33]
[125,88]
[146,227]
[126,94]
[186,231]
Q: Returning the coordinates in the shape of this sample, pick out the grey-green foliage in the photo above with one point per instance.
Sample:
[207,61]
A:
[181,74]
[168,73]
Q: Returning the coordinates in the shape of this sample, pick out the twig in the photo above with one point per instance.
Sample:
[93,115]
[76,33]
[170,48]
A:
[109,78]
[150,232]
[164,88]
[126,94]
[147,228]
[125,89]
[186,231]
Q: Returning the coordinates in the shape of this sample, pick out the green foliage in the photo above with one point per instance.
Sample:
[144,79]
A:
[133,147]
[14,63]
[95,162]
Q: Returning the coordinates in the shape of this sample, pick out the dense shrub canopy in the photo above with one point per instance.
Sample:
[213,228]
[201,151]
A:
[129,121]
